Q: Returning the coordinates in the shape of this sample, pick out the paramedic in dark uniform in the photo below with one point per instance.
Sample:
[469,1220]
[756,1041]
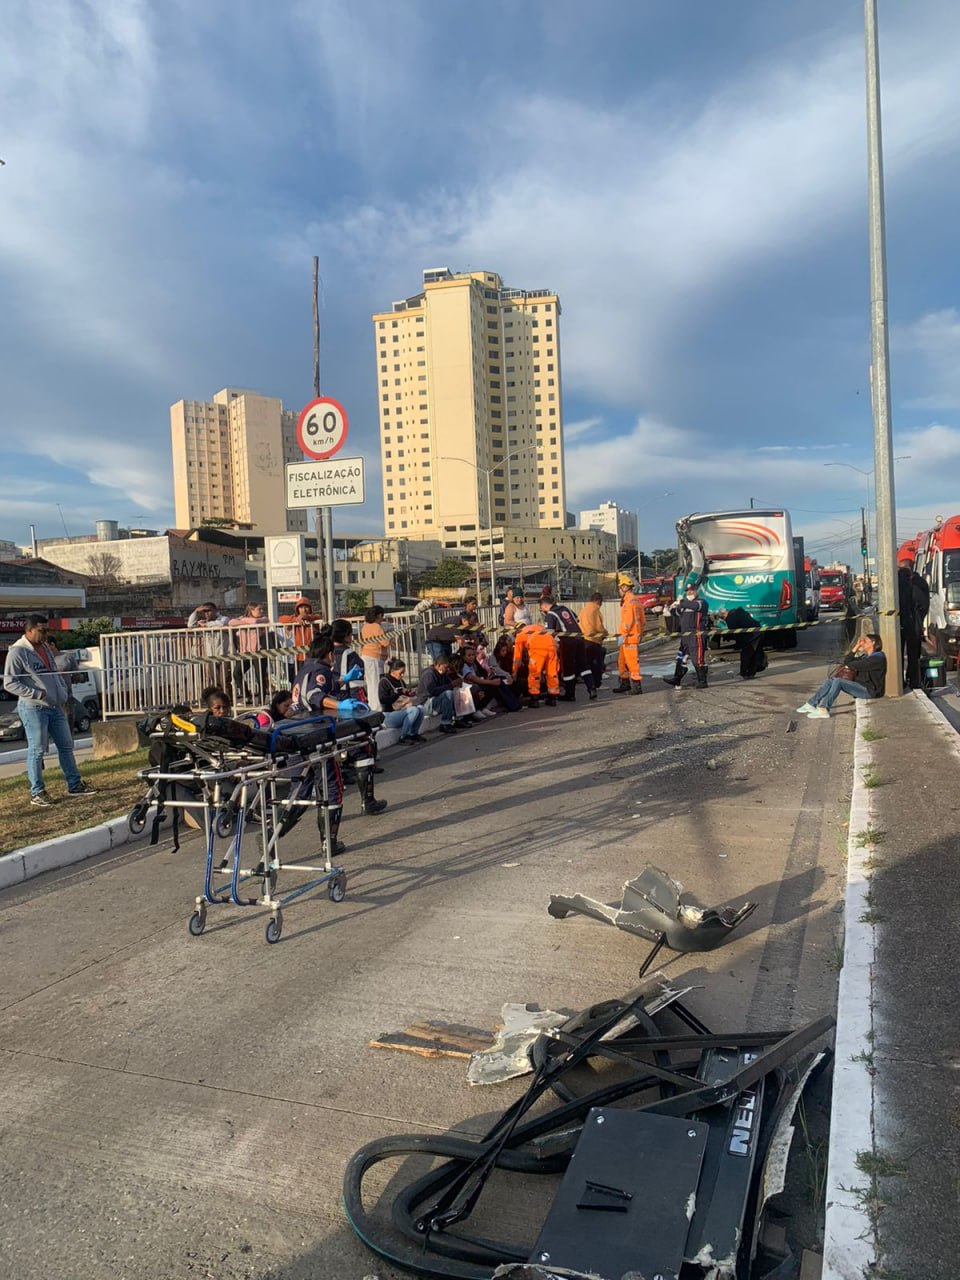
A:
[562,623]
[749,640]
[317,692]
[693,619]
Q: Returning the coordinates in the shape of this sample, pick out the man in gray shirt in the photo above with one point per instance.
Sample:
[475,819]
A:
[43,692]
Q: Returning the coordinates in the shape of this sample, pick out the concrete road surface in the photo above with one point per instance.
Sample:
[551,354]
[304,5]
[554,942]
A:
[179,1107]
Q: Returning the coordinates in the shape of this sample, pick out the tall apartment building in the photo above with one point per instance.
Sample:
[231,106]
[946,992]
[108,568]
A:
[469,380]
[613,519]
[228,461]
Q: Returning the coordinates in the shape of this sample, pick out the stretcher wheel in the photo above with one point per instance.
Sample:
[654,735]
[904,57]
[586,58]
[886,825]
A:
[197,922]
[338,887]
[274,928]
[137,819]
[225,822]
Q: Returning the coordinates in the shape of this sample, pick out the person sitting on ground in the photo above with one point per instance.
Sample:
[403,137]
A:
[749,641]
[217,702]
[862,674]
[435,692]
[279,706]
[397,703]
[500,662]
[374,650]
[486,688]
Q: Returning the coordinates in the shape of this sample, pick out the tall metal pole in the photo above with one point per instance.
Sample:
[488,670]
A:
[885,550]
[318,523]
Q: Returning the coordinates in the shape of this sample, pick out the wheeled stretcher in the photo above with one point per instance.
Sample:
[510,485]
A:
[240,780]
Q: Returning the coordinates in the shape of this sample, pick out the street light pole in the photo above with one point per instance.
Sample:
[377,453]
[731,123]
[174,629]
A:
[490,537]
[885,550]
[488,472]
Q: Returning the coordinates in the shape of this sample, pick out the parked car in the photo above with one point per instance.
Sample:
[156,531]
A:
[81,713]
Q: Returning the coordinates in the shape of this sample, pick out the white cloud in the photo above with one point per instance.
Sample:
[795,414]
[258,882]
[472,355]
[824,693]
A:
[127,469]
[574,430]
[639,215]
[931,349]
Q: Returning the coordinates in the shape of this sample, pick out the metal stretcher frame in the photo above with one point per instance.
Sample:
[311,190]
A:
[237,775]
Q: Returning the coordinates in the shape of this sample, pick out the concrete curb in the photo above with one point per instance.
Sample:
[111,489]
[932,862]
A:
[63,851]
[13,757]
[848,1244]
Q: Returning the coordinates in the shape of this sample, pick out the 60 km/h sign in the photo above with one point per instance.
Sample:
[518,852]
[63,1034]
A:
[322,428]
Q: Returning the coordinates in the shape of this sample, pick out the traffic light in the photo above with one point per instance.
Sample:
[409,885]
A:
[863,544]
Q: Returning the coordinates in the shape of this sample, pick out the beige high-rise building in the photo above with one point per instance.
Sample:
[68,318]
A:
[228,461]
[469,379]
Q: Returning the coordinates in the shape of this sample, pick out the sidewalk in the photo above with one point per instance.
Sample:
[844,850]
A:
[902,1178]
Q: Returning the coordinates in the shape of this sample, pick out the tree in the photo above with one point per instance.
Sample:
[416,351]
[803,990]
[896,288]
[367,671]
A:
[104,565]
[356,601]
[85,634]
[448,573]
[665,559]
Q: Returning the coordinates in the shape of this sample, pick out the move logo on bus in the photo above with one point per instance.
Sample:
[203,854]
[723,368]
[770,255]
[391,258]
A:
[752,579]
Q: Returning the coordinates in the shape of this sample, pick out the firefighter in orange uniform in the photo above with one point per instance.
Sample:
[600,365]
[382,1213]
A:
[632,623]
[535,645]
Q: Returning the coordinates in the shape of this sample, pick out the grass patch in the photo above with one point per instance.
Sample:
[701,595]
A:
[871,735]
[834,958]
[815,1152]
[870,837]
[872,916]
[118,789]
[871,779]
[875,1166]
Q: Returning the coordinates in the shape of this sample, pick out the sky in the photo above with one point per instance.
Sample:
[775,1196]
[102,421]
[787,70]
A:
[690,177]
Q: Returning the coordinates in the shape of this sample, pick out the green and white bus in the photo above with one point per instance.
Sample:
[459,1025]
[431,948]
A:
[745,559]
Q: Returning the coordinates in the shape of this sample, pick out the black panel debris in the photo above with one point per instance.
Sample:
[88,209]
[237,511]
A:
[656,907]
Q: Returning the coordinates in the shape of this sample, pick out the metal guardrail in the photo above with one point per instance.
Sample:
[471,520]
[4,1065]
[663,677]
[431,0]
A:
[144,669]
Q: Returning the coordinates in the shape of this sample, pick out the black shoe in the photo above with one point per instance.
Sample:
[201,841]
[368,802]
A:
[339,848]
[447,728]
[532,703]
[468,722]
[624,687]
[418,740]
[636,686]
[42,800]
[377,769]
[550,700]
[592,695]
[374,806]
[82,790]
[674,684]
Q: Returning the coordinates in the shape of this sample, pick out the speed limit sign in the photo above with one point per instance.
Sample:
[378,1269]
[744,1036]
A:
[322,428]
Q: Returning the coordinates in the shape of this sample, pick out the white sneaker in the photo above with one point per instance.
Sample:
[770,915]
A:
[487,713]
[805,709]
[818,713]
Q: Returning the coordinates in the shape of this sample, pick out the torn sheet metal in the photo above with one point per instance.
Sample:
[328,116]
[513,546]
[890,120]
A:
[656,907]
[507,1057]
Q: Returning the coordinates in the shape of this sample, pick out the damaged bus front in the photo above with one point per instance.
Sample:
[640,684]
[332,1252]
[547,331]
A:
[744,559]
